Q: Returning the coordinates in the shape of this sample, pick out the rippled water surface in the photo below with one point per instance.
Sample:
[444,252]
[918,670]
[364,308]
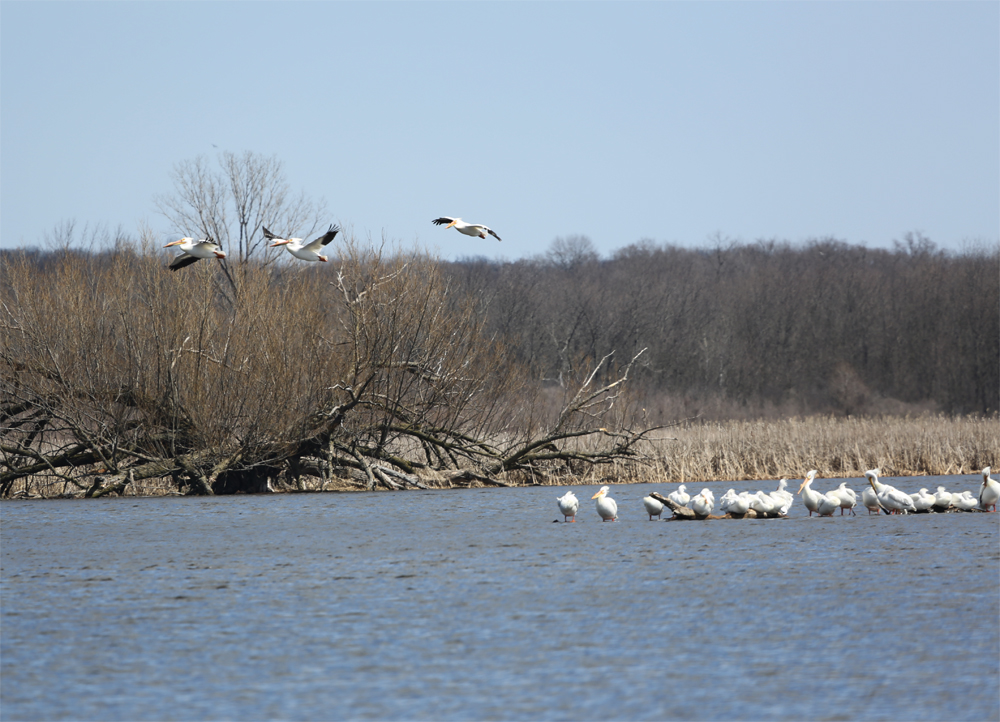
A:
[473,604]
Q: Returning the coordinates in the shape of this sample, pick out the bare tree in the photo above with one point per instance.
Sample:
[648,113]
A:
[232,198]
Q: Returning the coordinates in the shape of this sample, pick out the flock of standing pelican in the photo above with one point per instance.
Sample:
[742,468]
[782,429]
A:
[192,251]
[877,497]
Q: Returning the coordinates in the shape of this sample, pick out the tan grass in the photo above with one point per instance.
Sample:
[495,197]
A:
[836,447]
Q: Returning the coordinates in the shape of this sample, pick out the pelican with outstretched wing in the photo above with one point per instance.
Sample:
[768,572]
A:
[469,229]
[311,251]
[192,251]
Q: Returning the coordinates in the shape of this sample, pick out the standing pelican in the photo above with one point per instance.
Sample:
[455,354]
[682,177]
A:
[869,497]
[652,506]
[989,495]
[568,505]
[679,496]
[192,251]
[305,251]
[606,506]
[469,229]
[847,498]
[810,497]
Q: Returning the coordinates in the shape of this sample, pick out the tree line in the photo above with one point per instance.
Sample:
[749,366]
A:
[760,329]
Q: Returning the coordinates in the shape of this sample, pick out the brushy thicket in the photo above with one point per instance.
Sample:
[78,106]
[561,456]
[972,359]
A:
[396,369]
[114,370]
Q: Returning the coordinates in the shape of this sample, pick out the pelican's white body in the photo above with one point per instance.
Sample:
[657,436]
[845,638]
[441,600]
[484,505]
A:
[680,496]
[652,506]
[568,505]
[989,494]
[607,507]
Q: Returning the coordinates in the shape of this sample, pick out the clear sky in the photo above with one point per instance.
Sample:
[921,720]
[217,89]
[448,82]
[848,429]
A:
[672,121]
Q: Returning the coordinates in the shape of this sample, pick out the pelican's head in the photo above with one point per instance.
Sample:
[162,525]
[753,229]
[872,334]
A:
[603,492]
[873,474]
[177,243]
[453,223]
[280,242]
[986,474]
[808,480]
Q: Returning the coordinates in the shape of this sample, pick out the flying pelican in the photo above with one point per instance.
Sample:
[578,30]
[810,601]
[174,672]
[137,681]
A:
[679,496]
[922,500]
[305,251]
[568,504]
[782,499]
[703,503]
[469,229]
[653,507]
[192,250]
[606,506]
[847,498]
[989,495]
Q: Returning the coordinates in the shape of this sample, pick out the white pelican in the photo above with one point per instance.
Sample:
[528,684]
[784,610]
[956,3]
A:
[848,499]
[653,507]
[606,506]
[942,499]
[922,500]
[679,496]
[469,229]
[782,499]
[810,497]
[568,505]
[762,503]
[192,251]
[964,501]
[827,504]
[306,251]
[891,498]
[869,497]
[727,501]
[989,495]
[703,503]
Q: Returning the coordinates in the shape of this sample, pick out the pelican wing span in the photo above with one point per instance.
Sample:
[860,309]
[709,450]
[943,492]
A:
[184,259]
[317,243]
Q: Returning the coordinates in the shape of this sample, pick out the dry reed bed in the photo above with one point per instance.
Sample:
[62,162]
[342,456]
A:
[836,447]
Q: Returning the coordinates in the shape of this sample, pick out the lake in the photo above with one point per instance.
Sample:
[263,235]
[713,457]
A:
[473,604]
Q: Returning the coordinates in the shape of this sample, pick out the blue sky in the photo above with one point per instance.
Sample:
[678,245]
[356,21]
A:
[676,121]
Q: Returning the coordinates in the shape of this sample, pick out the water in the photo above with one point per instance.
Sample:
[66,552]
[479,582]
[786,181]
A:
[473,604]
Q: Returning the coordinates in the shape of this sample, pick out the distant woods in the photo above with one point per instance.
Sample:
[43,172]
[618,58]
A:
[760,330]
[386,367]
